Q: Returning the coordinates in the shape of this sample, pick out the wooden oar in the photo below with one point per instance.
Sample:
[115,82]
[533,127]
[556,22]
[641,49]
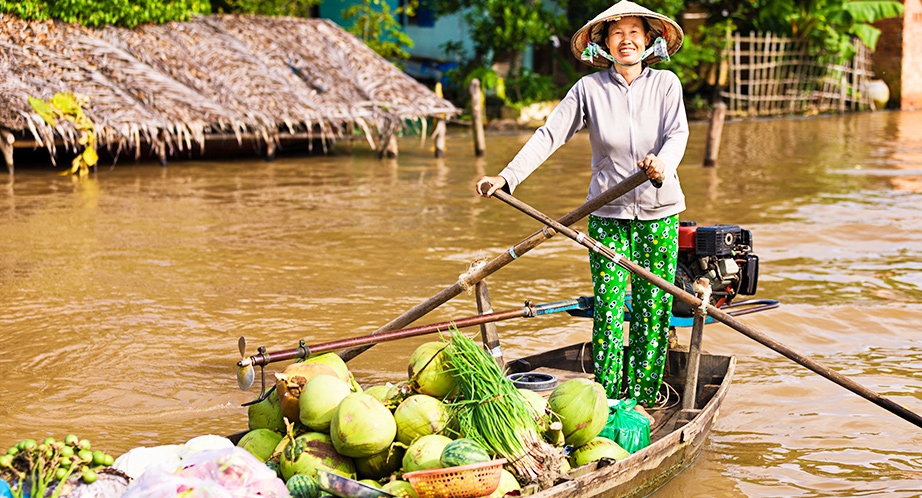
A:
[500,261]
[716,313]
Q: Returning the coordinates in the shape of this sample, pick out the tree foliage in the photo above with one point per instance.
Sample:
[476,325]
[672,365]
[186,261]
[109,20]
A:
[294,8]
[828,25]
[128,13]
[376,24]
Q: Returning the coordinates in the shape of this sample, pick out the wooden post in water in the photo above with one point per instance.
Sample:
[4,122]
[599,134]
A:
[6,146]
[438,134]
[477,117]
[715,128]
[488,330]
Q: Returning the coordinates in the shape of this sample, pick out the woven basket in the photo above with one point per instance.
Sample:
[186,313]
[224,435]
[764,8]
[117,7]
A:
[465,481]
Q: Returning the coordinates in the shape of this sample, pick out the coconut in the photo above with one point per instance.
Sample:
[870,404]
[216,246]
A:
[335,362]
[402,489]
[260,442]
[397,393]
[379,392]
[291,382]
[537,403]
[582,406]
[267,414]
[429,372]
[507,483]
[380,465]
[425,453]
[312,451]
[361,426]
[318,400]
[596,449]
[420,415]
[371,482]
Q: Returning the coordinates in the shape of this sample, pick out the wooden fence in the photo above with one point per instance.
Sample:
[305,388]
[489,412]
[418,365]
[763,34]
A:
[770,75]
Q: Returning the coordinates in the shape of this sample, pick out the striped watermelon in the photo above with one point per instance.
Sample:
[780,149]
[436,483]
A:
[302,486]
[463,451]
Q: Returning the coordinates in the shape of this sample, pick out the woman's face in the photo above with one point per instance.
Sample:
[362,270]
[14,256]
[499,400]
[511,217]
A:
[627,39]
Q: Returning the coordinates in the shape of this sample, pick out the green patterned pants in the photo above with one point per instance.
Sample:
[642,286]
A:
[653,245]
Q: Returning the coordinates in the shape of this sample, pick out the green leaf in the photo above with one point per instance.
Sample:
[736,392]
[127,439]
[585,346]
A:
[870,11]
[43,109]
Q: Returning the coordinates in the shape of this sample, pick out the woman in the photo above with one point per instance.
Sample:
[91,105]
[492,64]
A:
[635,117]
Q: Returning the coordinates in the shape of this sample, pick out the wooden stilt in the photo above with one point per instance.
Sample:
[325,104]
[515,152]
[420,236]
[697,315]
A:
[270,150]
[715,128]
[6,146]
[438,137]
[391,149]
[438,134]
[477,117]
[488,330]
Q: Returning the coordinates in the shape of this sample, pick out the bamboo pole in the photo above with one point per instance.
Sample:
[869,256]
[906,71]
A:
[6,146]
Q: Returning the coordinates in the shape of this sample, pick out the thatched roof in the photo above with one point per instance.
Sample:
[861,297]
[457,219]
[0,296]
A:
[172,85]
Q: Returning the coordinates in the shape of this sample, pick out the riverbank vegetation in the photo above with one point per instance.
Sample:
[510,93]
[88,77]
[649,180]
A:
[503,30]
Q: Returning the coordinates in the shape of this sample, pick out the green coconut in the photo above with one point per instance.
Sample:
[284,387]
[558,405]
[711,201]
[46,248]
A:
[397,393]
[312,451]
[260,442]
[379,392]
[361,426]
[267,414]
[425,453]
[380,465]
[596,449]
[537,403]
[371,482]
[319,399]
[582,406]
[429,372]
[420,415]
[507,483]
[333,361]
[402,489]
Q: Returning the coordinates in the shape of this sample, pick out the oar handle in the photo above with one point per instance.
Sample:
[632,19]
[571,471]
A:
[715,312]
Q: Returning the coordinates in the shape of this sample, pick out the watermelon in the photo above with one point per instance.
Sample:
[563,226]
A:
[463,451]
[302,486]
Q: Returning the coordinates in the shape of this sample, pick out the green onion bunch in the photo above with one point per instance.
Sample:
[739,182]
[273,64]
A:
[491,411]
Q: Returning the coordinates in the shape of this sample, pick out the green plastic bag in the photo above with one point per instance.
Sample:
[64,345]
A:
[626,426]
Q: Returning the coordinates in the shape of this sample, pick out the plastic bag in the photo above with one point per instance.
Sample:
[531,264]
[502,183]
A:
[223,473]
[626,426]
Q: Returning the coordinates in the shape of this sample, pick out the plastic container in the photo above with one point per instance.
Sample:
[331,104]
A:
[533,380]
[464,481]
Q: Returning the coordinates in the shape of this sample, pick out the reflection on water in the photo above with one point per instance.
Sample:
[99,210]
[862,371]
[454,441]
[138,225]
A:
[123,295]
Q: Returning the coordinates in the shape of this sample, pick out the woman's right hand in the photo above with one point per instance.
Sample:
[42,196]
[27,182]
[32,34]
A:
[486,185]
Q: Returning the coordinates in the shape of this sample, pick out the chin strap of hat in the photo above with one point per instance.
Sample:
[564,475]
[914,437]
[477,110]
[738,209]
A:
[659,48]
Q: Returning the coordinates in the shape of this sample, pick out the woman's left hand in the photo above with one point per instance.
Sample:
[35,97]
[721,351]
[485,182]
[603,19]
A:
[654,167]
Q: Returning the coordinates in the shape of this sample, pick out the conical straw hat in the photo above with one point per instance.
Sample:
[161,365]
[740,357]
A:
[592,31]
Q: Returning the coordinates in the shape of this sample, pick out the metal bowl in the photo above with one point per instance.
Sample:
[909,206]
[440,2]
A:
[344,487]
[533,380]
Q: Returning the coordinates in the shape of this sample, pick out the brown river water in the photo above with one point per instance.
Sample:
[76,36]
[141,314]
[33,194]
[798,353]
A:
[122,295]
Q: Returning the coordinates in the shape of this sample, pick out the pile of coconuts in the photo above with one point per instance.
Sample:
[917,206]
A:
[319,418]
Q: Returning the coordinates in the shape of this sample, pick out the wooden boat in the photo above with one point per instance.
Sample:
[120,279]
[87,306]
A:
[676,435]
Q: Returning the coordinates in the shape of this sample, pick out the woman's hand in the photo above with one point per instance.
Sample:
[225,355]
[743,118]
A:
[486,185]
[654,167]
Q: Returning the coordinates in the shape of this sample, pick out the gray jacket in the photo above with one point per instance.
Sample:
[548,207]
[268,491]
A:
[625,123]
